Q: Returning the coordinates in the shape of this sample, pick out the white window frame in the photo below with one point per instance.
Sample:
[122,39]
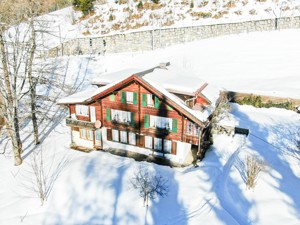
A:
[98,135]
[161,122]
[120,116]
[132,138]
[192,128]
[90,135]
[82,110]
[158,144]
[129,97]
[148,142]
[123,136]
[167,146]
[150,101]
[115,135]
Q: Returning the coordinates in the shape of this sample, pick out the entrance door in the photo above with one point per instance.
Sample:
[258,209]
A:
[93,114]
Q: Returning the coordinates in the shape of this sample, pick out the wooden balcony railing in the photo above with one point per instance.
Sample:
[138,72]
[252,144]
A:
[79,123]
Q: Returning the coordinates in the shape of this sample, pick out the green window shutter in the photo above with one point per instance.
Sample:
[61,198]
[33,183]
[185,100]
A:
[174,125]
[108,114]
[144,99]
[112,97]
[135,98]
[123,97]
[132,118]
[146,121]
[156,102]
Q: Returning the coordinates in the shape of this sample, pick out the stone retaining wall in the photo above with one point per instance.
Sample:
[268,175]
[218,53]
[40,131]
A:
[158,38]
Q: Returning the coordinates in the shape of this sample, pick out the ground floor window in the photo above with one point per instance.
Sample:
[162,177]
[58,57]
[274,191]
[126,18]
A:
[123,135]
[167,146]
[115,135]
[158,144]
[86,134]
[98,135]
[132,138]
[148,142]
[90,135]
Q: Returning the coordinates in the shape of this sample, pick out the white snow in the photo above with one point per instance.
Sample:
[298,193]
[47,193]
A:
[95,188]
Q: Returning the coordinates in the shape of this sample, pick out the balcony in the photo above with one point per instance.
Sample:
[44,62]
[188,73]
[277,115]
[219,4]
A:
[79,123]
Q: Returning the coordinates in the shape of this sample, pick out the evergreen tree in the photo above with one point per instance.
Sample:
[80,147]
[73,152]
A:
[85,6]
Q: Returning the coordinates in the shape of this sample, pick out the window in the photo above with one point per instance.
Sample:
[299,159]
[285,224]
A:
[161,122]
[129,97]
[132,138]
[150,101]
[123,136]
[83,133]
[115,135]
[158,144]
[192,129]
[121,116]
[98,135]
[82,110]
[167,146]
[86,134]
[148,142]
[90,135]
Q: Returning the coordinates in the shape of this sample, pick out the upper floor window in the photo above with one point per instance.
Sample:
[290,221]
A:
[192,128]
[121,116]
[150,100]
[161,122]
[169,124]
[82,110]
[129,97]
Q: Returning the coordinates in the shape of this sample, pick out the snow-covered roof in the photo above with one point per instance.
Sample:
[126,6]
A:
[200,115]
[167,81]
[172,79]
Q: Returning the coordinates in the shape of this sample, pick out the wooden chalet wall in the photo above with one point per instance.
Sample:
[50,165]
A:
[115,100]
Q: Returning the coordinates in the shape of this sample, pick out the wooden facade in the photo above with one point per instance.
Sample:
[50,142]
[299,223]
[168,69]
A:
[137,114]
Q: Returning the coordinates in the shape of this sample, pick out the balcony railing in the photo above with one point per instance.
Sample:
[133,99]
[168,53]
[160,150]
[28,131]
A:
[79,123]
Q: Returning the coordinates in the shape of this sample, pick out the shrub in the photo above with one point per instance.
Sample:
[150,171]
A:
[253,168]
[155,1]
[192,4]
[257,102]
[140,5]
[85,6]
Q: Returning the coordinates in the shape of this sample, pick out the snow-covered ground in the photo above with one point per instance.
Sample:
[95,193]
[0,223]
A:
[94,188]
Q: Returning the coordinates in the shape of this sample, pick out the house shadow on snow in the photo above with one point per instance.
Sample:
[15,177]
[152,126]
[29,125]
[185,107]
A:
[98,191]
[271,143]
[230,206]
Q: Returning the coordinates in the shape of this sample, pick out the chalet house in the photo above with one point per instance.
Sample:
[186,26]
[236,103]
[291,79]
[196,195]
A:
[159,112]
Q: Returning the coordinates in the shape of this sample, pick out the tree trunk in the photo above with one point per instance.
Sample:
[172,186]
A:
[33,84]
[12,121]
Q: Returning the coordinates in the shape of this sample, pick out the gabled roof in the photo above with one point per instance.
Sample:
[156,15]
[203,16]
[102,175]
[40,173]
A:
[155,87]
[92,95]
[172,78]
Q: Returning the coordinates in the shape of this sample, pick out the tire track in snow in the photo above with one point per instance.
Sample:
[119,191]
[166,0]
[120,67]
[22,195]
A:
[225,199]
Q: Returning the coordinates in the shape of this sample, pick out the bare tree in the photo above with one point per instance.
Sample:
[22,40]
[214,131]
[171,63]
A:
[12,52]
[222,109]
[38,180]
[253,167]
[149,184]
